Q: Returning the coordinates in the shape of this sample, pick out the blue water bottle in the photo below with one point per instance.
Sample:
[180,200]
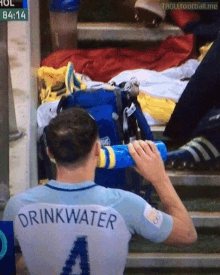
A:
[64,5]
[118,156]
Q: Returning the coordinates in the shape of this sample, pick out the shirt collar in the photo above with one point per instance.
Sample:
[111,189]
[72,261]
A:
[62,186]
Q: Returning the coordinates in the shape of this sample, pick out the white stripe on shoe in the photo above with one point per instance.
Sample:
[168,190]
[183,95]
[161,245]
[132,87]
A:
[200,148]
[192,152]
[209,145]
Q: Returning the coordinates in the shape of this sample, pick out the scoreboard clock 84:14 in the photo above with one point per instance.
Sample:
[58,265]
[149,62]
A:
[13,14]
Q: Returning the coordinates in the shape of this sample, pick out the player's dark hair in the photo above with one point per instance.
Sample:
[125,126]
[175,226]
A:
[71,136]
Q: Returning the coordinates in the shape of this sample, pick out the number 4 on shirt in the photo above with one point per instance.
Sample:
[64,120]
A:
[80,248]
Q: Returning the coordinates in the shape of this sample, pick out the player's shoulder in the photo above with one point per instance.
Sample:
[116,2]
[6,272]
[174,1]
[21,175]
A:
[21,199]
[126,194]
[28,195]
[117,196]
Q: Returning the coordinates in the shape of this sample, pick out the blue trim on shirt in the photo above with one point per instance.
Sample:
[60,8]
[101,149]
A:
[70,190]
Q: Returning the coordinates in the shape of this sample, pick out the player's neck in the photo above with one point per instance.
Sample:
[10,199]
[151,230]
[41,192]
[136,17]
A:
[75,175]
[83,172]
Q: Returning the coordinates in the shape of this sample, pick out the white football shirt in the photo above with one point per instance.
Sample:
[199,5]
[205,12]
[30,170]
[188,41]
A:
[81,228]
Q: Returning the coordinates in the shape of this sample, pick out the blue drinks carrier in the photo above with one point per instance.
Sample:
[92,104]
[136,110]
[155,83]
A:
[120,121]
[118,117]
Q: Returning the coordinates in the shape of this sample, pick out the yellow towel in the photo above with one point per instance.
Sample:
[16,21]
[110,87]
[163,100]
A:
[53,83]
[203,50]
[50,77]
[159,108]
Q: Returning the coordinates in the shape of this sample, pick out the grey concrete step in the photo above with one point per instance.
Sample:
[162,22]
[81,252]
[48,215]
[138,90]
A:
[159,128]
[195,178]
[125,32]
[171,260]
[158,131]
[206,219]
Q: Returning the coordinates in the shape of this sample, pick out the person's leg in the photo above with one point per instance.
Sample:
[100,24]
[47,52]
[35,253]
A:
[203,150]
[199,96]
[204,31]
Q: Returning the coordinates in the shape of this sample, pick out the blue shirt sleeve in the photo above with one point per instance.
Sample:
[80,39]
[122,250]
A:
[141,218]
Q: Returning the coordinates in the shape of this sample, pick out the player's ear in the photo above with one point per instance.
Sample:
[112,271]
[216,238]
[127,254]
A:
[50,155]
[97,147]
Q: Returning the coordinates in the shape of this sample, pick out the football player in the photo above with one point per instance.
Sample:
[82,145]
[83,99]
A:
[71,225]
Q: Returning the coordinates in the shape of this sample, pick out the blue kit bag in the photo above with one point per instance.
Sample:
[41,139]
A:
[118,116]
[120,121]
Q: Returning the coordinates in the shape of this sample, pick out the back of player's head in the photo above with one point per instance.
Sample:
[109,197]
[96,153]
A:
[71,136]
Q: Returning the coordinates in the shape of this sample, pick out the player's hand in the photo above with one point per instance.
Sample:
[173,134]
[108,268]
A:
[148,160]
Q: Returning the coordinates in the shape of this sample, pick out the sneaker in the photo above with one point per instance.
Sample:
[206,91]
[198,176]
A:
[197,154]
[149,12]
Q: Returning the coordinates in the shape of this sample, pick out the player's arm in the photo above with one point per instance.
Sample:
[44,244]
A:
[150,166]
